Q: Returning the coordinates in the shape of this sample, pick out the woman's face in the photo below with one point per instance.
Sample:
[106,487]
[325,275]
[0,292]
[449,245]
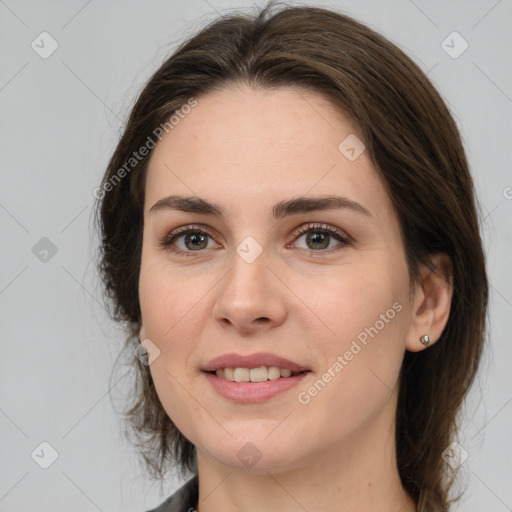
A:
[253,279]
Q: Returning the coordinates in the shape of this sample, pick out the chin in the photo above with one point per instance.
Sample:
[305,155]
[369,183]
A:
[256,454]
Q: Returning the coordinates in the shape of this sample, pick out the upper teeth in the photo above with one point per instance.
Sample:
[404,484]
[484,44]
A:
[260,374]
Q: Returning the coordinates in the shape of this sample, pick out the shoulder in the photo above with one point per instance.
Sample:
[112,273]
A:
[183,500]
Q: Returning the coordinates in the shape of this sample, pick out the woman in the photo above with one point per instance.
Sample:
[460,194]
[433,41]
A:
[289,230]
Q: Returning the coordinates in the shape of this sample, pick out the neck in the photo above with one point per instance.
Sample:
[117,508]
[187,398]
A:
[358,475]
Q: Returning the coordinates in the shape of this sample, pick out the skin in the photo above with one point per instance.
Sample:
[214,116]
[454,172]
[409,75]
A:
[245,150]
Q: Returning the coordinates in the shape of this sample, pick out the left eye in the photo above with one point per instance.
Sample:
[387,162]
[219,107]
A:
[319,238]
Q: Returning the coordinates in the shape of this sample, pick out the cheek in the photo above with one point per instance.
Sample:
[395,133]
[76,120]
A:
[170,300]
[349,300]
[361,351]
[172,315]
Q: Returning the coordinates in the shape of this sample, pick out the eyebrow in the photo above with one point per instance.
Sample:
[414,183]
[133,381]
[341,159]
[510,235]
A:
[195,204]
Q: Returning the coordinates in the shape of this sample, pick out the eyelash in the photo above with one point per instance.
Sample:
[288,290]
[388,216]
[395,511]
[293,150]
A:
[167,242]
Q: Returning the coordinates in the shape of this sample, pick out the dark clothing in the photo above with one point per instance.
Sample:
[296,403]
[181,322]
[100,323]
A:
[183,500]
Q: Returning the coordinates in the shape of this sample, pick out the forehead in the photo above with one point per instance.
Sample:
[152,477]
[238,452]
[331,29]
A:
[244,143]
[284,118]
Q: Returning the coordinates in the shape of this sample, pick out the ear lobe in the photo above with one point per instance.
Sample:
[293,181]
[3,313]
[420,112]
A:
[433,298]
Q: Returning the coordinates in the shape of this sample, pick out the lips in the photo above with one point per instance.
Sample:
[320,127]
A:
[257,360]
[230,375]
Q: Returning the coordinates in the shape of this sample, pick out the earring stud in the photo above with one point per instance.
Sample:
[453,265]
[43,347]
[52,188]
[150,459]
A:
[425,339]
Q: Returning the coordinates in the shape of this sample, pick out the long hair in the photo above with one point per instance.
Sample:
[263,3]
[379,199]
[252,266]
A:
[416,149]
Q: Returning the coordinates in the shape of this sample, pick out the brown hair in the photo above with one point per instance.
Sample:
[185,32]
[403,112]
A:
[416,149]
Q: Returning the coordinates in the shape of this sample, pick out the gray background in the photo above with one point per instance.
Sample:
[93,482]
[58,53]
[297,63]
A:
[60,120]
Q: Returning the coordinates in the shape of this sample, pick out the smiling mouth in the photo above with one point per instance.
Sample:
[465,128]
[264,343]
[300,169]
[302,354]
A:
[259,374]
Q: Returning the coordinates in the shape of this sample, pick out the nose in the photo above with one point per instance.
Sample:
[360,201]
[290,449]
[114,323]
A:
[250,298]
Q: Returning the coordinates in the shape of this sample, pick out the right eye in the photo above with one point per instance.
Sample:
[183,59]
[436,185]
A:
[194,239]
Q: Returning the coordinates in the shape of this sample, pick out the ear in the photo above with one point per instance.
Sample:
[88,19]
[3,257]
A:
[142,333]
[432,302]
